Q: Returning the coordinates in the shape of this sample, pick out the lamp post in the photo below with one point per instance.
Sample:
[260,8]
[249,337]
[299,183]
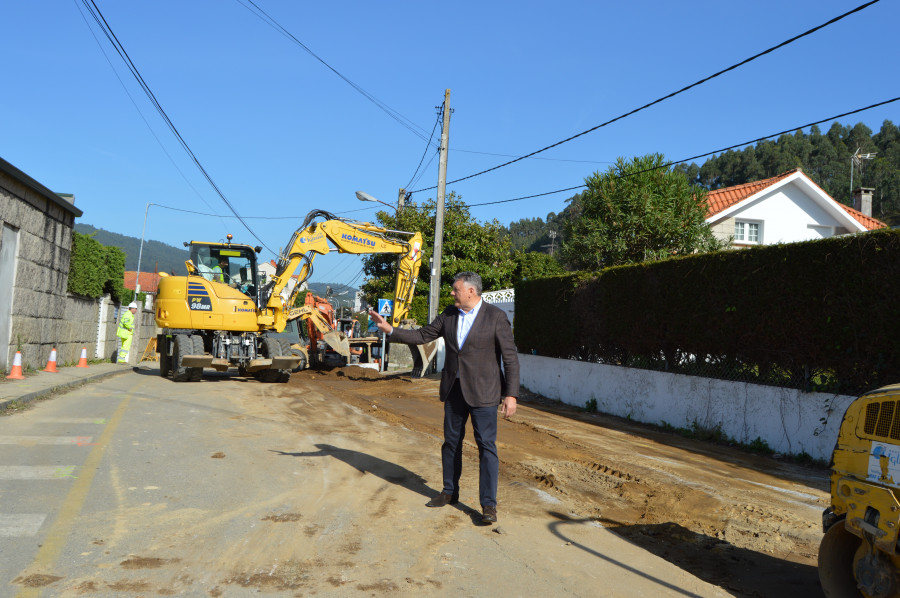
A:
[137,278]
[363,196]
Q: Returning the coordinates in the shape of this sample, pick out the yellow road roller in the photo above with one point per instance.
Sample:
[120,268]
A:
[858,555]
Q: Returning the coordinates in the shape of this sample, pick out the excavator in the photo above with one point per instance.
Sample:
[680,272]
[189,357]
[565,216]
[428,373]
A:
[859,555]
[222,315]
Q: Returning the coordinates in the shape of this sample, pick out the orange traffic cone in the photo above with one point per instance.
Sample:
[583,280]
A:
[16,372]
[51,363]
[82,363]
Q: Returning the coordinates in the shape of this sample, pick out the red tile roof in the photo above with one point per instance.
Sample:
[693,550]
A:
[722,199]
[869,222]
[149,281]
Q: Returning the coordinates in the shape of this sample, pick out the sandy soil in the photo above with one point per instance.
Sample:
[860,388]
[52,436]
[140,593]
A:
[746,523]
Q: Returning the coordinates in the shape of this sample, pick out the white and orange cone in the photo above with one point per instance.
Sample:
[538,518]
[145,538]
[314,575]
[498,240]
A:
[51,363]
[16,372]
[82,363]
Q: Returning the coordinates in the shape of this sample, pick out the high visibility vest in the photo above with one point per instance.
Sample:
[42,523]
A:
[126,324]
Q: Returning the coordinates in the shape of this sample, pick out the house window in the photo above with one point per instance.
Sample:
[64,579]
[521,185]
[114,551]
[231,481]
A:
[747,232]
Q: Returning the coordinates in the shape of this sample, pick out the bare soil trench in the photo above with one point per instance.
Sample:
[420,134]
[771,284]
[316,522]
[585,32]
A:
[746,523]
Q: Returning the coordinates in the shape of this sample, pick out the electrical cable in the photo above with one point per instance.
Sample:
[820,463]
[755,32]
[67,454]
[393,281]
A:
[427,145]
[724,149]
[120,49]
[140,113]
[402,120]
[668,96]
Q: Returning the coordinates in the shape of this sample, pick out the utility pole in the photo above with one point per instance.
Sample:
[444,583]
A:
[435,288]
[401,197]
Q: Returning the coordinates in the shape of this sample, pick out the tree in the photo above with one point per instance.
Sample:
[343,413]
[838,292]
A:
[636,211]
[468,245]
[534,264]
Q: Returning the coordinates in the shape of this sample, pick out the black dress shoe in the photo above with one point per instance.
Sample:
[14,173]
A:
[443,499]
[489,514]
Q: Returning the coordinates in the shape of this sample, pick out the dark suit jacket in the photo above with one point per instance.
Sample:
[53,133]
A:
[489,343]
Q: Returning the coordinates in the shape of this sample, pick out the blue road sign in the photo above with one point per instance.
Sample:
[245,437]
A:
[385,307]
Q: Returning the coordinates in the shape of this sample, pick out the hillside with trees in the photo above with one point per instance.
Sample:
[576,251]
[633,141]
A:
[155,257]
[824,157]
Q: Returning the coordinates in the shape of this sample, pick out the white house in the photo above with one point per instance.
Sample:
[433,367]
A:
[783,209]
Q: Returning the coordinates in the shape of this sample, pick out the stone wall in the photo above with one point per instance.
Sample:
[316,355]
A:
[92,324]
[44,229]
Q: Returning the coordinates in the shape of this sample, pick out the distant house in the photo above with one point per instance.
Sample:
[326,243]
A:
[268,270]
[783,209]
[149,281]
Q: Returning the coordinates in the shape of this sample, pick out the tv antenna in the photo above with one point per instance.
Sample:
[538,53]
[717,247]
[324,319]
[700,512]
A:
[857,158]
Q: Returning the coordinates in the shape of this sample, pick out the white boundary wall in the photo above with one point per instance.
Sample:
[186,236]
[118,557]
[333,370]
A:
[790,421]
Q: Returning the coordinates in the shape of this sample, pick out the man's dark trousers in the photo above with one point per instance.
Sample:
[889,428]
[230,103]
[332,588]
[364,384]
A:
[484,423]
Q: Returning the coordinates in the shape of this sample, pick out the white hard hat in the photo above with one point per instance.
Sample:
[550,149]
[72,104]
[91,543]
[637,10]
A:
[132,305]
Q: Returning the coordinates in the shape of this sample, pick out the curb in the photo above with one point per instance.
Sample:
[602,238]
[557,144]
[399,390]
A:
[31,396]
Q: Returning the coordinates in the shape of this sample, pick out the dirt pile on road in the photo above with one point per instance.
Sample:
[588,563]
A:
[748,523]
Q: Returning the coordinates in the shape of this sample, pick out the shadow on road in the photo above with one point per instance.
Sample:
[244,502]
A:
[742,572]
[364,463]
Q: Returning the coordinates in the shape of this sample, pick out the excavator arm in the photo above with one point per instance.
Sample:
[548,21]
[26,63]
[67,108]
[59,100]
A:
[316,238]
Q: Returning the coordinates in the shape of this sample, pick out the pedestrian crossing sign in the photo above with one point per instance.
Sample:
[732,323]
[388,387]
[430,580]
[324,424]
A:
[385,307]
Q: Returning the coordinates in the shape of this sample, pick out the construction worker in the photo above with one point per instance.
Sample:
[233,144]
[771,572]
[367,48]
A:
[126,331]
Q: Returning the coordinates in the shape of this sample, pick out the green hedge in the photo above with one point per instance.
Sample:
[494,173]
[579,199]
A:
[818,315]
[95,269]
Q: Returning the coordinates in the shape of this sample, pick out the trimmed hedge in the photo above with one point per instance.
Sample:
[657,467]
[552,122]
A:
[817,315]
[95,269]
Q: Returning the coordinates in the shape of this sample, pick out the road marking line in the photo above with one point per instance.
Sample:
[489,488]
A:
[37,472]
[22,525]
[33,440]
[59,531]
[100,421]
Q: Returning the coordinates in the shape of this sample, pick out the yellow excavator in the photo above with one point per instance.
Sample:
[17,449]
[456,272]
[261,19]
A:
[858,555]
[222,315]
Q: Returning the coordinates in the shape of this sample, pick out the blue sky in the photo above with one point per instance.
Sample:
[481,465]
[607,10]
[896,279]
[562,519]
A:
[281,135]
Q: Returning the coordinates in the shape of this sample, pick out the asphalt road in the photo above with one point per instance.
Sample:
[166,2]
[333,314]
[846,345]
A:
[137,486]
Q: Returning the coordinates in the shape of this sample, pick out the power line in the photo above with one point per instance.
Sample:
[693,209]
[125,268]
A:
[140,113]
[703,155]
[666,97]
[427,145]
[402,120]
[98,17]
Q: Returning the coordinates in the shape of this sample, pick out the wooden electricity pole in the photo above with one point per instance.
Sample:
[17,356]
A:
[435,288]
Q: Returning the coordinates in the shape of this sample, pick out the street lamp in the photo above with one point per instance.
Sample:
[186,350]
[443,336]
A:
[363,196]
[137,278]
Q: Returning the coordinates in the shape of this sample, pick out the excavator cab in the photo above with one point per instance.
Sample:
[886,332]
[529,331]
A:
[234,265]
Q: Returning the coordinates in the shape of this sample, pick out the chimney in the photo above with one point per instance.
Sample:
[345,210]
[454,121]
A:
[862,199]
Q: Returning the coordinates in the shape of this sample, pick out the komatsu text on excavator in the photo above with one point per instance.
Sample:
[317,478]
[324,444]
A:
[221,315]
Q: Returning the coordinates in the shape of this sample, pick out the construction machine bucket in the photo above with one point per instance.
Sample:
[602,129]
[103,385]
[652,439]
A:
[339,342]
[422,356]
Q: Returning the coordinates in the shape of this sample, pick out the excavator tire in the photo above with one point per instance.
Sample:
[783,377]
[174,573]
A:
[271,347]
[836,560]
[183,346]
[304,361]
[197,373]
[165,361]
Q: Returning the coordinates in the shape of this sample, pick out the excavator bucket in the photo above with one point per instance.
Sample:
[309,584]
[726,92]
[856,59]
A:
[339,342]
[422,356]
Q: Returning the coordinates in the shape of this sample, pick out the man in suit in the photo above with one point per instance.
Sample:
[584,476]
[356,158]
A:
[478,338]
